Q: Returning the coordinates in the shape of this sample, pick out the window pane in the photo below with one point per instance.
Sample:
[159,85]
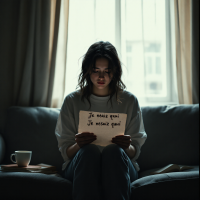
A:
[146,44]
[137,29]
[105,20]
[158,65]
[89,21]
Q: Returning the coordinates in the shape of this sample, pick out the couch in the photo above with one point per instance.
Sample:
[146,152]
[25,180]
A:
[173,138]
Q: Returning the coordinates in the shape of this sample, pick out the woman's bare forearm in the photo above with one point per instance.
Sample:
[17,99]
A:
[131,151]
[72,150]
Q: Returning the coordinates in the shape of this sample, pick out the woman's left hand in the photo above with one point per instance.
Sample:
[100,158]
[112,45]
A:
[123,141]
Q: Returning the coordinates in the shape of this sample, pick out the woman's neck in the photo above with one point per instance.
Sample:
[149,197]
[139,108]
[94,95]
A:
[101,93]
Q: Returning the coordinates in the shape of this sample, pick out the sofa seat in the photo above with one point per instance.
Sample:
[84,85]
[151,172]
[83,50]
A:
[148,172]
[162,186]
[34,186]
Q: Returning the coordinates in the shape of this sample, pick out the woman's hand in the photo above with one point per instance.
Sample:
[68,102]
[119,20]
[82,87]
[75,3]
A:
[123,141]
[84,138]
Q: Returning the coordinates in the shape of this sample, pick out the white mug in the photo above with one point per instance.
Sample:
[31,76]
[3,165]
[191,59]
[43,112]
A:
[22,158]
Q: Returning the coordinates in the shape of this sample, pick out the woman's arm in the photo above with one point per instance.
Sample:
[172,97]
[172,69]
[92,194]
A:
[81,140]
[65,128]
[130,151]
[124,141]
[72,150]
[135,134]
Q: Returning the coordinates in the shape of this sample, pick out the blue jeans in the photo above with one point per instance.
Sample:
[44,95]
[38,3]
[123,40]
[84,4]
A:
[101,176]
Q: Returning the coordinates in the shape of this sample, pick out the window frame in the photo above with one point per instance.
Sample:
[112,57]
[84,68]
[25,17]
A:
[172,97]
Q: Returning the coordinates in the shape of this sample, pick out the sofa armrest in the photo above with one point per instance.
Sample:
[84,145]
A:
[2,149]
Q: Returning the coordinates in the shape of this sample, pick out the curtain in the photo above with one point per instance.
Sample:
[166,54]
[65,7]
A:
[35,52]
[61,56]
[195,50]
[186,63]
[28,45]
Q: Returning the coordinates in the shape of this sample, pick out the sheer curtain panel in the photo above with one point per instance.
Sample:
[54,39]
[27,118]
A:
[61,56]
[187,50]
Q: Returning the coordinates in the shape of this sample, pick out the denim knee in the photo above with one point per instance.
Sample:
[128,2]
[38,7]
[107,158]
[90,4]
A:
[113,152]
[89,151]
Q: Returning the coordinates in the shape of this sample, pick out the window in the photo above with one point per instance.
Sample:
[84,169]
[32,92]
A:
[142,32]
[158,65]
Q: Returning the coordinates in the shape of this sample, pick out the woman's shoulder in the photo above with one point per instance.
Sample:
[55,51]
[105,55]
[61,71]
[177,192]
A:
[130,99]
[127,95]
[73,96]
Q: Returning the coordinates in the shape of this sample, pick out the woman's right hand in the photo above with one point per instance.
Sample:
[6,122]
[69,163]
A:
[84,138]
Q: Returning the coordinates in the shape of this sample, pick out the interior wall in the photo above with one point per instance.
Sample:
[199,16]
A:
[9,12]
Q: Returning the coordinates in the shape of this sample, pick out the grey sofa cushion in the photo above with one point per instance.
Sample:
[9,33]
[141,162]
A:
[175,185]
[171,132]
[172,136]
[25,185]
[142,174]
[33,129]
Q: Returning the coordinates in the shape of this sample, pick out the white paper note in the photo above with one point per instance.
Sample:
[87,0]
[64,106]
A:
[104,125]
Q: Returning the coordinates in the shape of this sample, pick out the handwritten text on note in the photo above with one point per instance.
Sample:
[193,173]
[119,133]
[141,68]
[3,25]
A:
[103,125]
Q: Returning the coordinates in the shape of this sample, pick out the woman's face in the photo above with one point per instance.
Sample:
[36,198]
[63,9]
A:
[101,77]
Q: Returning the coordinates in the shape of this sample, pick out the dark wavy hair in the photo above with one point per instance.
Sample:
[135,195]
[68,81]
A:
[100,50]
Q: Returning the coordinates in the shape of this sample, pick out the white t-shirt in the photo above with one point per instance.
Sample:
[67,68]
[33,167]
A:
[68,120]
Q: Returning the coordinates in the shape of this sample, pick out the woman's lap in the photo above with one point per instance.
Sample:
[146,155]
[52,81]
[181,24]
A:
[112,169]
[68,172]
[87,153]
[113,154]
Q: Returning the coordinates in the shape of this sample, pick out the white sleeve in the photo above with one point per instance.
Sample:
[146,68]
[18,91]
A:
[136,129]
[65,128]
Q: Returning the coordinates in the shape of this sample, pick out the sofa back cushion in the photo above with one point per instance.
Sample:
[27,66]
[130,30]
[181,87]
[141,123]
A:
[33,129]
[172,136]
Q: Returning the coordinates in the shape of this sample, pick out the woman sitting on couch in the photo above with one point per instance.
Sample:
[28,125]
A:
[90,166]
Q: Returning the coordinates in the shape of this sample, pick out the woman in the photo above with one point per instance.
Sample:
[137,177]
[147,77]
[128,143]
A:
[95,171]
